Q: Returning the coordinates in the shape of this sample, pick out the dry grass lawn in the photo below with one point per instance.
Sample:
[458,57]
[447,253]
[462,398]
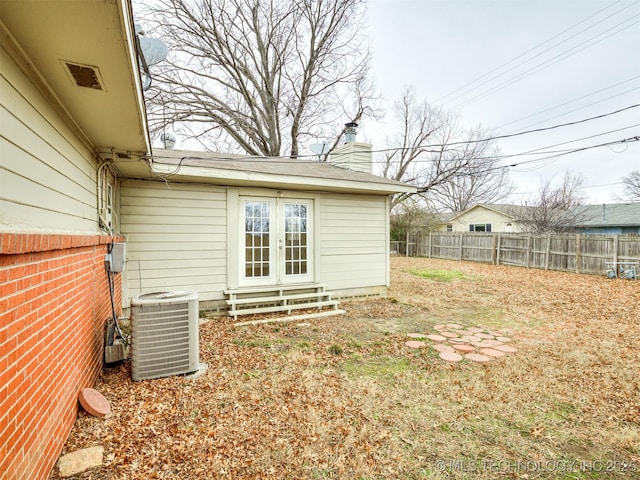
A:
[345,398]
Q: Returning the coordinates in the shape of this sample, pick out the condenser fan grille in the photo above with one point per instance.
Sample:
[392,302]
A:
[164,338]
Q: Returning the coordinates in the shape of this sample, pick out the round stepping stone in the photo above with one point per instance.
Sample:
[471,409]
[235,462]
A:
[414,344]
[493,343]
[506,349]
[436,338]
[457,340]
[475,329]
[496,334]
[455,326]
[483,335]
[464,348]
[482,344]
[94,402]
[443,348]
[503,339]
[477,357]
[469,338]
[492,352]
[449,334]
[416,335]
[450,356]
[440,327]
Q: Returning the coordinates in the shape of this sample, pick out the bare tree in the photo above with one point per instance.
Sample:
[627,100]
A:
[555,209]
[631,186]
[258,76]
[439,157]
[484,182]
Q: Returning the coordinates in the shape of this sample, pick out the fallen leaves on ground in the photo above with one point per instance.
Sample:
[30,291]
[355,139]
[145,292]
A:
[344,397]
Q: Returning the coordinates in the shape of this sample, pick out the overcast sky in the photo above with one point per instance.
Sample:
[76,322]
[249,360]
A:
[467,55]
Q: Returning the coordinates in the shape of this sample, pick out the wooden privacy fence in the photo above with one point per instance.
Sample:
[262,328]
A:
[571,253]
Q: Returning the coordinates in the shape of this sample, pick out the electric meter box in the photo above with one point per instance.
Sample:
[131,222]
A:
[117,257]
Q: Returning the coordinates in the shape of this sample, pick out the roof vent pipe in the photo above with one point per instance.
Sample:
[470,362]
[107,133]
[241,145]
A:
[350,132]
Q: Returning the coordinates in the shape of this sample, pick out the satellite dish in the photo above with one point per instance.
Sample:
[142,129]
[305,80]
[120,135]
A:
[154,50]
[319,148]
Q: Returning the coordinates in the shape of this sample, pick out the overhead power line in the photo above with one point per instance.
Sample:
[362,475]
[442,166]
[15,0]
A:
[544,64]
[548,63]
[509,62]
[572,101]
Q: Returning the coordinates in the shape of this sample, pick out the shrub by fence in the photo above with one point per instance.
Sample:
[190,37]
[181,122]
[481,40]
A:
[571,253]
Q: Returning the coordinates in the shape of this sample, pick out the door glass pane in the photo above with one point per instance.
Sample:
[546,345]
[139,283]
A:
[295,226]
[256,233]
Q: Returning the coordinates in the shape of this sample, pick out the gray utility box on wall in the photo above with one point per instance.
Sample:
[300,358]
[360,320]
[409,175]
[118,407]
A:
[164,334]
[116,258]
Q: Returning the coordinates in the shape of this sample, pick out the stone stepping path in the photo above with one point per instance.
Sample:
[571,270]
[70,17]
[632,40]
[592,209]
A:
[455,343]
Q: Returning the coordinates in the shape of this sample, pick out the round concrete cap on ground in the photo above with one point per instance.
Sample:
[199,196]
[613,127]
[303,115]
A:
[464,348]
[414,344]
[449,334]
[436,338]
[477,357]
[450,356]
[94,402]
[483,335]
[491,352]
[443,348]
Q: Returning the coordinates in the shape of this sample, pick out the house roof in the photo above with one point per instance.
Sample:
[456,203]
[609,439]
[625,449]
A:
[602,215]
[609,215]
[515,212]
[63,44]
[242,170]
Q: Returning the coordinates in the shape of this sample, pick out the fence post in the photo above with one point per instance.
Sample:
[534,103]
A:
[547,253]
[460,254]
[578,253]
[429,253]
[494,241]
[498,249]
[615,251]
[529,251]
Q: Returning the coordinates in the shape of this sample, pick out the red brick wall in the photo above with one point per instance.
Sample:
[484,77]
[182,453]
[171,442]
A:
[54,303]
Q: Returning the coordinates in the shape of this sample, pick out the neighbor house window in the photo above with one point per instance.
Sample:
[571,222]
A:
[480,227]
[449,228]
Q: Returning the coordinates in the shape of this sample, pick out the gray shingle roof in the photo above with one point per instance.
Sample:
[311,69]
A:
[609,215]
[278,166]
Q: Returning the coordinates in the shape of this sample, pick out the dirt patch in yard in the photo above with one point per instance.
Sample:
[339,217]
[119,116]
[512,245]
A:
[345,397]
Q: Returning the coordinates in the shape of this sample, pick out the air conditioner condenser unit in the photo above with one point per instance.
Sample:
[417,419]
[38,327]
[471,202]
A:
[164,334]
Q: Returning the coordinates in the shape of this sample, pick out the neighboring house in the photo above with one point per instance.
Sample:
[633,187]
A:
[485,218]
[77,173]
[609,218]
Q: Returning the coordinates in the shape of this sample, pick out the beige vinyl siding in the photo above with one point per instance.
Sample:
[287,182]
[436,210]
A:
[483,216]
[353,241]
[176,238]
[47,174]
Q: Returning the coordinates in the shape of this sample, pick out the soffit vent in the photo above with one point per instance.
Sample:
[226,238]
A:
[84,75]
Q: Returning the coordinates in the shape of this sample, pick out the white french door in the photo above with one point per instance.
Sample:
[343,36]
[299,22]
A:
[276,241]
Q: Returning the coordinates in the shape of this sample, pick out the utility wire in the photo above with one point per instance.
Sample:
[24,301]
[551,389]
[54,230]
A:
[548,63]
[571,101]
[576,109]
[530,50]
[300,158]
